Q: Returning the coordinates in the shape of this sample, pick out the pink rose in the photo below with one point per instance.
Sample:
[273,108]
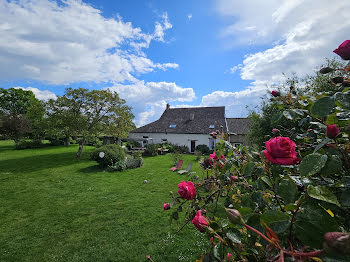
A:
[275,93]
[200,221]
[213,134]
[343,50]
[213,158]
[281,151]
[187,190]
[166,206]
[332,131]
[234,178]
[228,256]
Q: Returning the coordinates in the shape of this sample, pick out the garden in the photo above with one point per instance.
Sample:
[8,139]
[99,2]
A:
[287,198]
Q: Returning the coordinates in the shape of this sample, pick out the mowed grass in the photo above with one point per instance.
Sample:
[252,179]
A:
[54,207]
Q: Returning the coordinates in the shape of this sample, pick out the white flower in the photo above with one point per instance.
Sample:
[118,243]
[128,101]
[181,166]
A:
[101,154]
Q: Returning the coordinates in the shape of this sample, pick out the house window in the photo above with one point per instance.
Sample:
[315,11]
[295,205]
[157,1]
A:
[145,137]
[164,140]
[211,143]
[211,126]
[172,126]
[236,144]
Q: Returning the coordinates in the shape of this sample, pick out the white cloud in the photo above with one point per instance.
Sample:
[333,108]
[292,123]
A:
[39,94]
[72,42]
[148,100]
[299,34]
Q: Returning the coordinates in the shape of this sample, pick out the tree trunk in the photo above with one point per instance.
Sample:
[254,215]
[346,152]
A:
[66,141]
[81,146]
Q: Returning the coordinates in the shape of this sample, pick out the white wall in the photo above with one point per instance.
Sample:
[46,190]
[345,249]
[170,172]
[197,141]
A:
[176,139]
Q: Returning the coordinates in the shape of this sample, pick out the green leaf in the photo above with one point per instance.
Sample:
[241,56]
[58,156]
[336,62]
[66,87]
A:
[322,193]
[234,235]
[343,99]
[218,251]
[276,220]
[175,215]
[290,207]
[288,190]
[289,114]
[266,180]
[323,106]
[248,169]
[312,222]
[334,165]
[345,198]
[320,145]
[276,117]
[312,164]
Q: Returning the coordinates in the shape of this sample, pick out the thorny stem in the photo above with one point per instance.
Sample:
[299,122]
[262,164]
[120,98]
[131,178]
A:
[258,232]
[301,254]
[294,215]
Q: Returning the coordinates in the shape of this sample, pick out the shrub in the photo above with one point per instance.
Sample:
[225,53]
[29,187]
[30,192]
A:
[111,155]
[203,149]
[151,150]
[137,154]
[181,149]
[24,144]
[198,155]
[133,163]
[132,144]
[56,142]
[176,156]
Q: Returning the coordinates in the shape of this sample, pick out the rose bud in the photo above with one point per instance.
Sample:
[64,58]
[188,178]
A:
[212,241]
[275,130]
[200,221]
[332,131]
[338,79]
[326,70]
[234,178]
[337,242]
[275,93]
[344,50]
[228,256]
[166,206]
[234,216]
[309,130]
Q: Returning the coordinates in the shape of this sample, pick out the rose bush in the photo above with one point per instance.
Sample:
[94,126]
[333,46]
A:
[289,201]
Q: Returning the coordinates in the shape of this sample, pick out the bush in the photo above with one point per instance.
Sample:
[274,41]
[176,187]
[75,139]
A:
[112,155]
[132,144]
[176,156]
[137,154]
[203,149]
[151,150]
[133,163]
[198,155]
[181,149]
[24,144]
[56,142]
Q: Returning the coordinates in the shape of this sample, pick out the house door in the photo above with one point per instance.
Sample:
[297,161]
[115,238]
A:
[193,145]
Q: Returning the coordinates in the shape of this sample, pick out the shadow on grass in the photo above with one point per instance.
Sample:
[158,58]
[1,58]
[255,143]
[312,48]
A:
[92,169]
[39,162]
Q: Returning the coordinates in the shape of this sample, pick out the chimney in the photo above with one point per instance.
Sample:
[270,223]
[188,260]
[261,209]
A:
[167,106]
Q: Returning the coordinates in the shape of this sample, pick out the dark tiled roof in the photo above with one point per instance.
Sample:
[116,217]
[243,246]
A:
[194,120]
[240,126]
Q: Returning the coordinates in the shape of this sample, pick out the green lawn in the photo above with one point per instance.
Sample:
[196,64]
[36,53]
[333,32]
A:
[56,208]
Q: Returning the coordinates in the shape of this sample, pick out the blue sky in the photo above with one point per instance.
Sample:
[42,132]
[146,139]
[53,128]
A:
[186,53]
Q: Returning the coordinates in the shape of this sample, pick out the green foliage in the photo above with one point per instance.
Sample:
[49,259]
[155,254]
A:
[286,209]
[133,163]
[176,156]
[151,150]
[111,155]
[89,114]
[204,149]
[132,144]
[25,144]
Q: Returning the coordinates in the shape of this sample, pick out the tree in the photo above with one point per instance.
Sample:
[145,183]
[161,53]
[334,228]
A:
[20,113]
[84,113]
